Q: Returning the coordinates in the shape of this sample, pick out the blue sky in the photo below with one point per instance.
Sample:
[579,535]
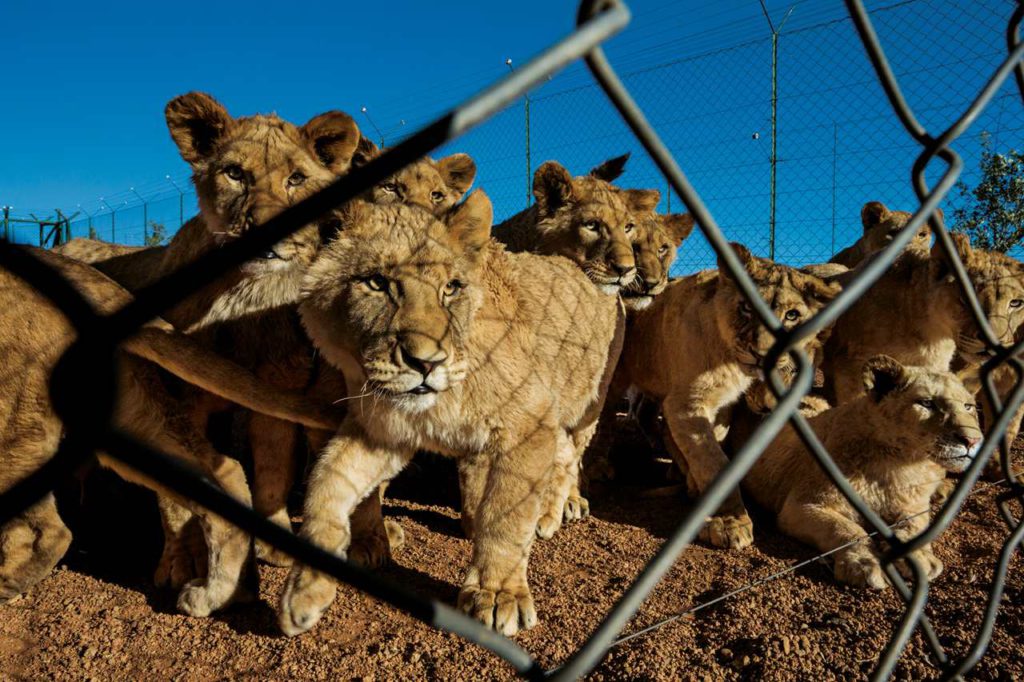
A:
[83,113]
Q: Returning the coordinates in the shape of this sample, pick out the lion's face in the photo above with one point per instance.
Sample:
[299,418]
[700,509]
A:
[247,170]
[998,281]
[926,407]
[434,185]
[591,223]
[658,238]
[396,293]
[793,296]
[882,225]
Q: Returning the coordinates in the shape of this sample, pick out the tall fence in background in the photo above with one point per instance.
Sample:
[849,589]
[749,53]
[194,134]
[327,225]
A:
[836,143]
[89,425]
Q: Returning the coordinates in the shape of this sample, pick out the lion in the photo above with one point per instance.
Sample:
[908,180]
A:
[33,336]
[709,349]
[919,297]
[880,227]
[435,185]
[459,348]
[586,219]
[658,238]
[893,444]
[246,170]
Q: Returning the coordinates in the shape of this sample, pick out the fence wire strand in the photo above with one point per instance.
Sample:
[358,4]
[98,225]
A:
[89,428]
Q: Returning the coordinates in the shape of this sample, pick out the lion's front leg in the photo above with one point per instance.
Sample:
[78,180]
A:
[827,528]
[559,486]
[694,439]
[349,469]
[909,529]
[495,590]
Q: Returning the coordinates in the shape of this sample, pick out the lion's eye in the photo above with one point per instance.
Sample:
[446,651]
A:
[269,255]
[663,250]
[389,187]
[437,197]
[590,226]
[629,227]
[792,315]
[970,407]
[296,179]
[234,171]
[453,287]
[376,282]
[926,404]
[746,308]
[1017,302]
[331,225]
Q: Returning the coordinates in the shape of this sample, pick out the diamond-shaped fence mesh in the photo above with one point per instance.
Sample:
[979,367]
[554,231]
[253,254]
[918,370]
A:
[919,109]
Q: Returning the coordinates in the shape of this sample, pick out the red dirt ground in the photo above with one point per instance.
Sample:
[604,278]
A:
[99,617]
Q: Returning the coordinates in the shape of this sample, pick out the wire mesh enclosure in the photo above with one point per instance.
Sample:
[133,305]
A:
[804,160]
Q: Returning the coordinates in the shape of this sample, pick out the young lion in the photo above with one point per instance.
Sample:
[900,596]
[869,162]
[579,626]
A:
[33,336]
[697,349]
[893,444]
[461,349]
[658,238]
[919,297]
[880,227]
[585,219]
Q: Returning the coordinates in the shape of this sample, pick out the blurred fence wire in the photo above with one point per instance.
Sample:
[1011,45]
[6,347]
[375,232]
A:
[978,93]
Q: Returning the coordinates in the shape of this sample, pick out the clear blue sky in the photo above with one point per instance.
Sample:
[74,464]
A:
[86,86]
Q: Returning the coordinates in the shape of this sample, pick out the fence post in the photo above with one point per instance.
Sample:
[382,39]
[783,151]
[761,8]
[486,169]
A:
[526,135]
[145,216]
[775,105]
[7,223]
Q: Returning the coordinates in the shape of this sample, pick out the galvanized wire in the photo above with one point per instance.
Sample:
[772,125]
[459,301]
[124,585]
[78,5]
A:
[91,357]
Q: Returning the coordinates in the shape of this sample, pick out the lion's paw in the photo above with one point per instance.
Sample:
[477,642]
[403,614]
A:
[576,507]
[396,536]
[860,569]
[507,611]
[728,531]
[549,524]
[307,595]
[371,550]
[932,564]
[177,567]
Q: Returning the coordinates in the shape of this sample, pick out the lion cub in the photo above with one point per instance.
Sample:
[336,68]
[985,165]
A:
[586,219]
[893,444]
[880,227]
[697,349]
[463,349]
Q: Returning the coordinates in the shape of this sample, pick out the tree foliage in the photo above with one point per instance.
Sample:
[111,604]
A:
[992,213]
[157,234]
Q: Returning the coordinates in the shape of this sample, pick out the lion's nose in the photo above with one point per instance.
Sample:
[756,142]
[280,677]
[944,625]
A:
[969,441]
[419,361]
[626,272]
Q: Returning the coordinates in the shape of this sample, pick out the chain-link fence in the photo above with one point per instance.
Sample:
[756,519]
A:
[88,426]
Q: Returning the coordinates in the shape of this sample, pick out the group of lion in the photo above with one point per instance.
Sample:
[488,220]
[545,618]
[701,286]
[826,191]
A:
[506,348]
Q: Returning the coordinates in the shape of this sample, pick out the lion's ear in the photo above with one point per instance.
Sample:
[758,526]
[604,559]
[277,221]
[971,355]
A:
[552,187]
[366,151]
[679,226]
[743,253]
[641,200]
[610,169]
[819,289]
[873,213]
[197,123]
[458,171]
[883,375]
[333,138]
[940,262]
[470,222]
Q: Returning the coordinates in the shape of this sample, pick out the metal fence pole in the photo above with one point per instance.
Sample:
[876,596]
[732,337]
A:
[526,135]
[145,216]
[7,223]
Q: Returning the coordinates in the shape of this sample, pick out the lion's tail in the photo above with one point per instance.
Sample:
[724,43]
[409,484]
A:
[192,362]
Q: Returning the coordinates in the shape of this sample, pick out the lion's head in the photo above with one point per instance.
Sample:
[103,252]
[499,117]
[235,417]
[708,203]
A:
[589,221]
[396,293]
[882,225]
[433,185]
[793,296]
[247,170]
[658,237]
[924,406]
[998,281]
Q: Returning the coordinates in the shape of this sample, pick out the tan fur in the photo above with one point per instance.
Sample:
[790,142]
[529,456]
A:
[463,349]
[94,250]
[656,245]
[880,227]
[919,297]
[33,335]
[585,219]
[893,444]
[709,350]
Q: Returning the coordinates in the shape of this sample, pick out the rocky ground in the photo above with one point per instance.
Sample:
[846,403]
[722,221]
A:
[98,617]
